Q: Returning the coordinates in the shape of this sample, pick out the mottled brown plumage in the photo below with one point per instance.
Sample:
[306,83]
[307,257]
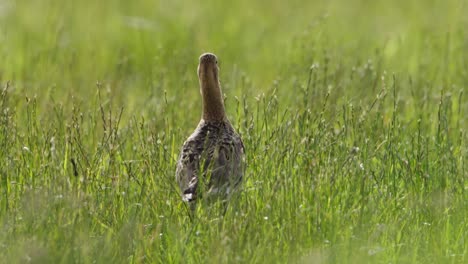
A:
[214,153]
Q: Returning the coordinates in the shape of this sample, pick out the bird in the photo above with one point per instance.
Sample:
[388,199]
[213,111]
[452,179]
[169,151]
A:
[211,162]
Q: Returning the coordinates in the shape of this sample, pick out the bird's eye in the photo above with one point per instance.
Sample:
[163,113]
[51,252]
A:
[216,61]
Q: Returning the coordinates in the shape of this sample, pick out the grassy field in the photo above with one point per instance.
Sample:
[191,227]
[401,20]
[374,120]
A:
[353,114]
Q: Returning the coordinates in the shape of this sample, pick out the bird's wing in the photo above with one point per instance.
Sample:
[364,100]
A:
[227,169]
[187,171]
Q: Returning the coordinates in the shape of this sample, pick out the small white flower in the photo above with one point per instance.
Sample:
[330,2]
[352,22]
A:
[354,150]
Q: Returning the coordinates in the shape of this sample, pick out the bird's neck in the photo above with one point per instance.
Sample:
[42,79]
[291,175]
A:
[213,104]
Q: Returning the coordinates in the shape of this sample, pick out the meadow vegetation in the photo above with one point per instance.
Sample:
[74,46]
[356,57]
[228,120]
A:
[353,115]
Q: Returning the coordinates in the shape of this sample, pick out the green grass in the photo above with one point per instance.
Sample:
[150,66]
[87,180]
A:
[353,114]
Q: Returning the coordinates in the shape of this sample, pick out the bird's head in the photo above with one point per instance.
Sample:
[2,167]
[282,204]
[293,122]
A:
[208,69]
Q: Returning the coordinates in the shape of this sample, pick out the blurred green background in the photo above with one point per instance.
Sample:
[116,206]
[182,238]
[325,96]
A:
[144,47]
